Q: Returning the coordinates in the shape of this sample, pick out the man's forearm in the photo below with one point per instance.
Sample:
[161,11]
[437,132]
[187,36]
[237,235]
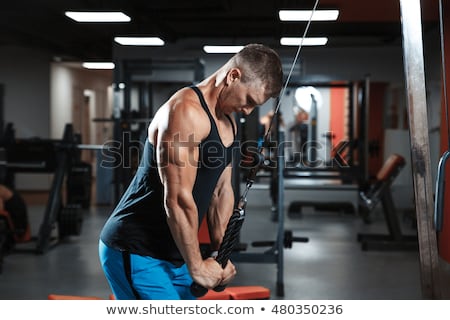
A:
[185,233]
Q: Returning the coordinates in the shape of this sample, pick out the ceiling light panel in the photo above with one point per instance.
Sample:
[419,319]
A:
[98,65]
[139,41]
[313,41]
[222,49]
[305,15]
[91,16]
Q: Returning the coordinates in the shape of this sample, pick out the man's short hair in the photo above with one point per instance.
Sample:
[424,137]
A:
[261,62]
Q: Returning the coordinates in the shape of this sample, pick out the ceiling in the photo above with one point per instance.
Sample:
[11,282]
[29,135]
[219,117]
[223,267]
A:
[42,24]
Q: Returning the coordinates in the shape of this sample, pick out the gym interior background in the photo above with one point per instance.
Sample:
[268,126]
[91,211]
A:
[56,117]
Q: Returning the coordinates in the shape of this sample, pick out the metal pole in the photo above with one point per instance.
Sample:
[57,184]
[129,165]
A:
[410,13]
[280,211]
[365,112]
[2,111]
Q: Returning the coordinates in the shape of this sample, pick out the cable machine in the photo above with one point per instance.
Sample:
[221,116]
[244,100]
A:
[350,169]
[284,238]
[341,171]
[282,169]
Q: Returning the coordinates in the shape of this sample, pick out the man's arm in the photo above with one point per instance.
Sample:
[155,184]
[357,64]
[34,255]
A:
[221,208]
[179,134]
[220,211]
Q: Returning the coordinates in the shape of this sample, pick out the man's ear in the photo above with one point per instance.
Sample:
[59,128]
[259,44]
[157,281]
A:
[233,75]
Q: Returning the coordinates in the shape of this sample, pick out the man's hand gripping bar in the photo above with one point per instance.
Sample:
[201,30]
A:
[226,248]
[231,232]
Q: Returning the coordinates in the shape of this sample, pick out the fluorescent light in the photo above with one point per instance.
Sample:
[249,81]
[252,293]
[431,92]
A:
[98,65]
[139,41]
[97,16]
[318,41]
[222,49]
[305,15]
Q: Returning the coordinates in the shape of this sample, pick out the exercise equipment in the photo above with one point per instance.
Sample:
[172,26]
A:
[230,293]
[288,240]
[334,180]
[78,185]
[61,158]
[283,239]
[439,204]
[54,296]
[345,161]
[228,242]
[380,191]
[2,108]
[411,23]
[231,247]
[239,293]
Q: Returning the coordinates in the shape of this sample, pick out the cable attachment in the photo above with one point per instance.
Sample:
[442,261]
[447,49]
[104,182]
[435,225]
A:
[227,246]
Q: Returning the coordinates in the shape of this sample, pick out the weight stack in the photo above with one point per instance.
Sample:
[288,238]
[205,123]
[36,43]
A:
[70,221]
[79,184]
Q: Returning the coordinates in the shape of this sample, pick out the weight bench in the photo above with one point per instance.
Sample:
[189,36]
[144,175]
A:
[230,293]
[380,191]
[239,293]
[53,296]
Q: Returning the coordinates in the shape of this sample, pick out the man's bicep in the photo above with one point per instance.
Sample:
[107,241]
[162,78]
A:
[177,160]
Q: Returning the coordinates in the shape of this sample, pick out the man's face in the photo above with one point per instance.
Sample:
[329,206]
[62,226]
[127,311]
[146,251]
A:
[242,97]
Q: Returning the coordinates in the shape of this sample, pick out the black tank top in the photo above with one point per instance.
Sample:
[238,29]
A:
[138,223]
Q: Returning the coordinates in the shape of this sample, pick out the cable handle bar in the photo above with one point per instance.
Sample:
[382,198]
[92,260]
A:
[227,246]
[439,202]
[440,193]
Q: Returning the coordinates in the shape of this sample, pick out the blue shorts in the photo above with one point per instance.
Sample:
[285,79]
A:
[132,276]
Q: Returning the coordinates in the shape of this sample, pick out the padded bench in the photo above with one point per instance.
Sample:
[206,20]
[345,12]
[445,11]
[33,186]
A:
[230,293]
[239,293]
[380,191]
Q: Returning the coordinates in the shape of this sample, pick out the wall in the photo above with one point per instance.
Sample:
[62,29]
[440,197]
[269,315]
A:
[25,74]
[68,85]
[26,77]
[38,99]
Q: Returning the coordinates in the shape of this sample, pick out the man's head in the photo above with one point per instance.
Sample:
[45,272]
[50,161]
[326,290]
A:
[259,62]
[251,77]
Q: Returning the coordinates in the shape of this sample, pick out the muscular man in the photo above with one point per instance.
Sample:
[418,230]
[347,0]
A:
[149,246]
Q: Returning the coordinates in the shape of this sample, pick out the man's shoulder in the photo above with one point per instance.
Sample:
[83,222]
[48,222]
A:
[186,102]
[185,112]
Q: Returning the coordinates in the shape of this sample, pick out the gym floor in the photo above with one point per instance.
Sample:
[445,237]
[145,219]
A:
[330,266]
